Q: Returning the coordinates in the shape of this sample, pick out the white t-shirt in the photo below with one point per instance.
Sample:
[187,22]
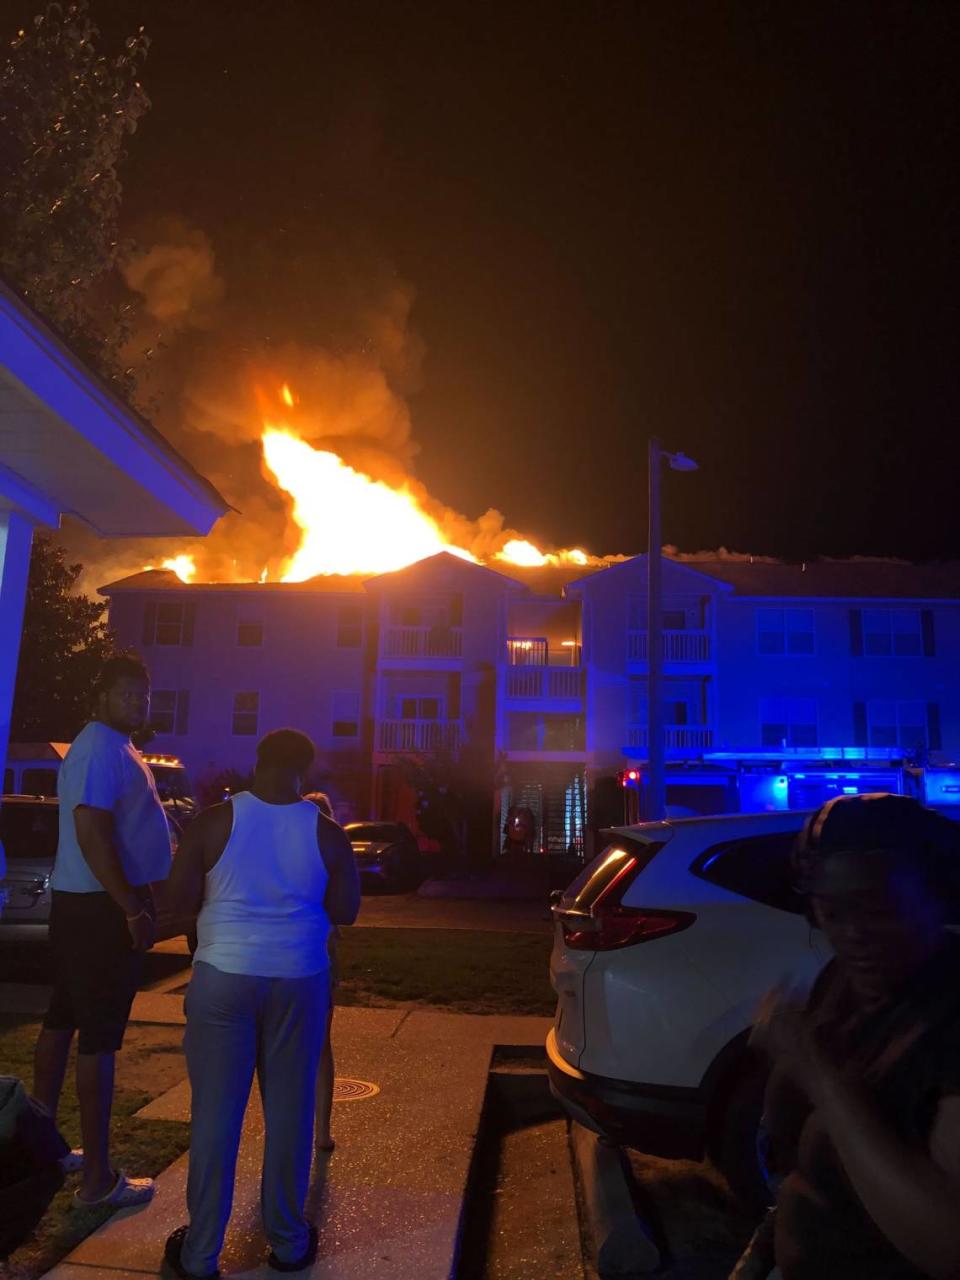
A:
[104,770]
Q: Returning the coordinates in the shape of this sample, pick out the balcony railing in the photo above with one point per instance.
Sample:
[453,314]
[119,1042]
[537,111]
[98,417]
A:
[417,736]
[678,646]
[544,683]
[678,737]
[422,642]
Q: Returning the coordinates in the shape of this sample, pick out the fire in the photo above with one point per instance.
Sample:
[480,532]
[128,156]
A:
[183,565]
[351,523]
[521,552]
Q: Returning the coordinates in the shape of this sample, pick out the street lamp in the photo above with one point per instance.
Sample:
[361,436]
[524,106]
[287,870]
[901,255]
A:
[656,752]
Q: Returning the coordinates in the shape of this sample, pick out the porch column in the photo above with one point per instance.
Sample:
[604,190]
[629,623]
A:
[16,535]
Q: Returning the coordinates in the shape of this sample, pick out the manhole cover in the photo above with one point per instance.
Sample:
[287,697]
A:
[347,1090]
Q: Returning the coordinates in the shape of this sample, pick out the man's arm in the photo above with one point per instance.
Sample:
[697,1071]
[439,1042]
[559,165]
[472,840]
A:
[94,828]
[342,899]
[201,846]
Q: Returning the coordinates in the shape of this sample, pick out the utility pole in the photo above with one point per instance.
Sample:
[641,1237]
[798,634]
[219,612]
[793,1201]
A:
[656,754]
[656,791]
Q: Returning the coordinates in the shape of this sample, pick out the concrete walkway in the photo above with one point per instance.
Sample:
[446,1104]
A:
[388,1201]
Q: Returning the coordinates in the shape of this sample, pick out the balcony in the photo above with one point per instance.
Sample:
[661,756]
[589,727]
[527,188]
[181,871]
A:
[678,646]
[544,684]
[678,737]
[422,642]
[418,737]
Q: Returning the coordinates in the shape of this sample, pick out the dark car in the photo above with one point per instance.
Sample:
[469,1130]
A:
[387,851]
[29,829]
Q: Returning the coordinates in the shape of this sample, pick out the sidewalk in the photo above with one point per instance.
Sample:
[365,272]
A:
[389,1200]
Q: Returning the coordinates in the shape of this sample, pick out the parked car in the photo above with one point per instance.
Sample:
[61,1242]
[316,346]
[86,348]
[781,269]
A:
[664,946]
[387,851]
[29,829]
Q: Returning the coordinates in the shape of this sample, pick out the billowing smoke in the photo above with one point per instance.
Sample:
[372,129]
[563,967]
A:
[209,365]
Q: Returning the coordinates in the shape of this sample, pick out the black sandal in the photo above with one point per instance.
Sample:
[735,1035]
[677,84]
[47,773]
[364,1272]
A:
[171,1256]
[308,1259]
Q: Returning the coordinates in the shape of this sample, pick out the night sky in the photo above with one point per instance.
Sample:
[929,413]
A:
[733,225]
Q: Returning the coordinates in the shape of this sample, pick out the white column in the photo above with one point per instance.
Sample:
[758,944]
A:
[16,534]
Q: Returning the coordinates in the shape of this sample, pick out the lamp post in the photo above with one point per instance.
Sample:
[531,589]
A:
[656,747]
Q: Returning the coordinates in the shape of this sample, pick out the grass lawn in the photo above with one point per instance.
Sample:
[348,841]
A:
[149,1064]
[462,970]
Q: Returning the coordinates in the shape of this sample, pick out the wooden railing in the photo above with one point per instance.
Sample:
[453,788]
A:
[416,736]
[678,646]
[422,642]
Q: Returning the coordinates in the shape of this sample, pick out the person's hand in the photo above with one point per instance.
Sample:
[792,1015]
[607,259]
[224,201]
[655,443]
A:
[143,930]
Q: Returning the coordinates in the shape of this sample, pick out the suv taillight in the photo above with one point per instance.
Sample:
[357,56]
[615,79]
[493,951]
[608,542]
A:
[609,924]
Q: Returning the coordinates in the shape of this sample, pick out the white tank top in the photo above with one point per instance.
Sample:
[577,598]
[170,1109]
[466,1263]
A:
[263,912]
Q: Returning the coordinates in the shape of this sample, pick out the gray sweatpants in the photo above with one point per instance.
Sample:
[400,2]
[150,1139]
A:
[237,1025]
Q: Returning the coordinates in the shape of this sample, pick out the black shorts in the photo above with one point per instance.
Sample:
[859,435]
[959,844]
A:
[96,971]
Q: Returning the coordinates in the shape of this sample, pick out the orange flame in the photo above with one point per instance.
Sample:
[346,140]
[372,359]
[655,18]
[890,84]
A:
[351,523]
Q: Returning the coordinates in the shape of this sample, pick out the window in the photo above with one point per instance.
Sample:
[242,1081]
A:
[246,713]
[788,722]
[38,782]
[168,623]
[345,718]
[350,626]
[897,724]
[892,633]
[430,708]
[785,631]
[250,634]
[757,867]
[29,831]
[169,710]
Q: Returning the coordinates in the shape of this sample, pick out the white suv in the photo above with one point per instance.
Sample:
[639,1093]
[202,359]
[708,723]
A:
[664,946]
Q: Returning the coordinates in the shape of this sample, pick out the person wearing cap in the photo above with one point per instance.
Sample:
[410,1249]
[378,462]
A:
[863,1104]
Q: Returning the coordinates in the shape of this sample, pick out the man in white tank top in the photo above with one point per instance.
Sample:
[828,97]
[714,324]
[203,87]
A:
[274,874]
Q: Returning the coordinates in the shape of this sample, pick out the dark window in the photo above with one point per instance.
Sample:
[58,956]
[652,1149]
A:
[563,733]
[892,633]
[168,623]
[39,782]
[29,831]
[246,713]
[785,631]
[788,722]
[345,720]
[524,731]
[170,710]
[757,867]
[674,620]
[250,634]
[350,626]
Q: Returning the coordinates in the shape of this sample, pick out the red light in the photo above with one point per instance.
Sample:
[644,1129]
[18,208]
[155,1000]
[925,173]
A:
[624,927]
[633,775]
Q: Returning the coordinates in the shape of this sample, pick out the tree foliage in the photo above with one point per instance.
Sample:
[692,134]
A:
[63,644]
[65,109]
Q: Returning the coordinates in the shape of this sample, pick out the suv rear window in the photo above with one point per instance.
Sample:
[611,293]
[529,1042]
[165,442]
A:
[756,867]
[597,875]
[29,831]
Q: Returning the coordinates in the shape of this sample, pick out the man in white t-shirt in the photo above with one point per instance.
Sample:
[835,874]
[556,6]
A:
[114,844]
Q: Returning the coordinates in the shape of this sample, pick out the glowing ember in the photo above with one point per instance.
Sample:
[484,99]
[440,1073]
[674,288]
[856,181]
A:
[351,523]
[286,395]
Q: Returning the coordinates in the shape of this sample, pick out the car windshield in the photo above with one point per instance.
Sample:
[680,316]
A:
[172,782]
[373,830]
[29,831]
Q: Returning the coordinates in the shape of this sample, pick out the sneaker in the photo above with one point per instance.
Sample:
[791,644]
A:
[72,1162]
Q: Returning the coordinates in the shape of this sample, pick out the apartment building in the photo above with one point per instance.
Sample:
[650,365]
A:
[535,680]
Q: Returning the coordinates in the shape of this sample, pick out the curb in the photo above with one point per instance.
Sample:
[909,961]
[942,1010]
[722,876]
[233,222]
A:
[623,1245]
